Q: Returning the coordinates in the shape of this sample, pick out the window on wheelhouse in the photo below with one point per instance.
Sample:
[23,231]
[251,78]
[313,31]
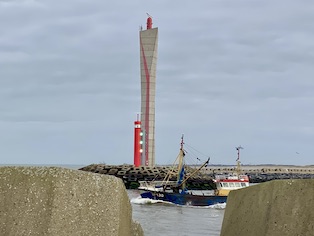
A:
[237,185]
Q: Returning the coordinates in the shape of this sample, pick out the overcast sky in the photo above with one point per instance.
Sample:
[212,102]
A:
[229,73]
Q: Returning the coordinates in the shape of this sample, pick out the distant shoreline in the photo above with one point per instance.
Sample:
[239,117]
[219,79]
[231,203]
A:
[210,166]
[68,166]
[263,168]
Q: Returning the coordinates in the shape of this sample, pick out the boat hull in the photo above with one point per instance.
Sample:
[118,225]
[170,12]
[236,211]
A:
[185,198]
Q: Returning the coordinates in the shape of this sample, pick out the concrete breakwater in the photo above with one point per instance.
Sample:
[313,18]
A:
[132,175]
[276,208]
[57,201]
[203,179]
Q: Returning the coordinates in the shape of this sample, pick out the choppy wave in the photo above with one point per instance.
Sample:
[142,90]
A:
[218,206]
[141,201]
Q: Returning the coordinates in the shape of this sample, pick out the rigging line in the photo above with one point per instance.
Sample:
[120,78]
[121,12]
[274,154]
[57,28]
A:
[192,153]
[196,156]
[196,150]
[192,161]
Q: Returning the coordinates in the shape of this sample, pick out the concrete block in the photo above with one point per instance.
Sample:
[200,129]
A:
[274,208]
[56,201]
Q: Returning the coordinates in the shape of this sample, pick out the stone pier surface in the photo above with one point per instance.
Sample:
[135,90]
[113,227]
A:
[274,208]
[56,201]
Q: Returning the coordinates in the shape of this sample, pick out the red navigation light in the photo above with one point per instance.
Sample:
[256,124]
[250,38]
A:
[149,23]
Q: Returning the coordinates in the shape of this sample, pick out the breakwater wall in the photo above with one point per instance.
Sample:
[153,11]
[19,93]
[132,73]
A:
[203,179]
[276,208]
[57,201]
[131,175]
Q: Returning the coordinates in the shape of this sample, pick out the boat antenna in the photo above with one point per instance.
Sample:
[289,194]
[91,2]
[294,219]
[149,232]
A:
[181,145]
[182,141]
[238,169]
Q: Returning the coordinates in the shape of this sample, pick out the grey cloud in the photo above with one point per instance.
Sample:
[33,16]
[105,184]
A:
[229,73]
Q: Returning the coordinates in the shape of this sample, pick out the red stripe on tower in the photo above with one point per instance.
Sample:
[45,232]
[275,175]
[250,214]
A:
[146,125]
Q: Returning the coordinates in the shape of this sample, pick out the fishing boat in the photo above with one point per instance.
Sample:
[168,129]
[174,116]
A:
[228,182]
[177,193]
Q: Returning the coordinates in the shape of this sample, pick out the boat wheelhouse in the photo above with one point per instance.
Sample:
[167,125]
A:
[226,183]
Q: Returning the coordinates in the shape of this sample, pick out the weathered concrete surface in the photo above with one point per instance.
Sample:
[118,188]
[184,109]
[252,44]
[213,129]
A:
[275,208]
[56,201]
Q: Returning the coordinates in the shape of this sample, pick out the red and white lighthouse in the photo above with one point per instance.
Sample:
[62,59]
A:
[137,143]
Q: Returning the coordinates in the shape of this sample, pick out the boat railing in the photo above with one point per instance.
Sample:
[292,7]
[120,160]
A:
[231,177]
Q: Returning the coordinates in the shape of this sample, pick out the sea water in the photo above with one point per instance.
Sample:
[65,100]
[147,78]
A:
[162,218]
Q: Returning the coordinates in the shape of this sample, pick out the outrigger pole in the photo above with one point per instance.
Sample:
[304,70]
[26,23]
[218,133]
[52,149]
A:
[204,165]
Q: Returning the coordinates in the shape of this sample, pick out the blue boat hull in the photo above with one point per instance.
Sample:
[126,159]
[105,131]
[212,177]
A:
[185,198]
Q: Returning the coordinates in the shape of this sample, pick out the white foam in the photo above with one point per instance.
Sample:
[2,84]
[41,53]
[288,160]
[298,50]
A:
[218,206]
[140,200]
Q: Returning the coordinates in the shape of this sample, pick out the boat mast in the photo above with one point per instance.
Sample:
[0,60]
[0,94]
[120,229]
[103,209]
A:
[238,169]
[191,175]
[181,163]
